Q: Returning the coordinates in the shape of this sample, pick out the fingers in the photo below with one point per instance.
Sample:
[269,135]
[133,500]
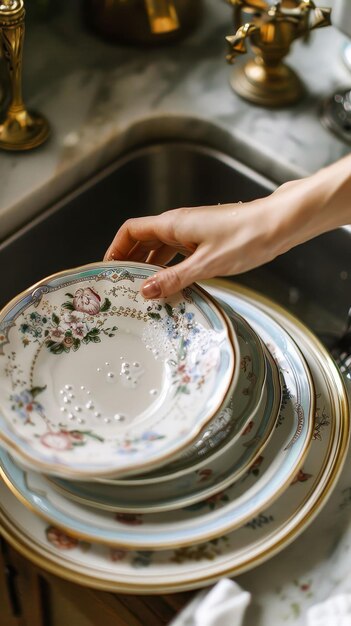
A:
[172,279]
[122,244]
[149,232]
[139,252]
[162,256]
[157,239]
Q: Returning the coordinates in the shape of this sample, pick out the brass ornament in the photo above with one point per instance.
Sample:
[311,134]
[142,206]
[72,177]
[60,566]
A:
[19,129]
[145,22]
[265,79]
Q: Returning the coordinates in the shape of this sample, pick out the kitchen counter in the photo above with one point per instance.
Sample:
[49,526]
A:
[102,99]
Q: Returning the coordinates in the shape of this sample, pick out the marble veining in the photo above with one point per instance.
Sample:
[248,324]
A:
[103,99]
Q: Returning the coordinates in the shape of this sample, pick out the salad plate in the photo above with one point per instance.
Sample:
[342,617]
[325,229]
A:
[95,380]
[149,572]
[203,480]
[270,474]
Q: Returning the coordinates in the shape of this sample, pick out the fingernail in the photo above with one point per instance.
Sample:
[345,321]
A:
[109,256]
[151,289]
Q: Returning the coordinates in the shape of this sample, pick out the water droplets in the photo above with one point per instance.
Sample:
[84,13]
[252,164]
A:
[82,407]
[130,373]
[119,417]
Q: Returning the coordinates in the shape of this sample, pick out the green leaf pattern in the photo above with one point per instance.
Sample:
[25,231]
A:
[72,326]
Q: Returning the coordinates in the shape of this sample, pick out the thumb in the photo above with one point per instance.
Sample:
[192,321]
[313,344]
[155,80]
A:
[170,280]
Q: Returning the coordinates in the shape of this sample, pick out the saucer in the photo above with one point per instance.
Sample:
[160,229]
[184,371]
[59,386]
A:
[96,381]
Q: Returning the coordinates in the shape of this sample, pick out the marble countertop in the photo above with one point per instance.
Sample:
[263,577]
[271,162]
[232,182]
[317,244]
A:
[102,99]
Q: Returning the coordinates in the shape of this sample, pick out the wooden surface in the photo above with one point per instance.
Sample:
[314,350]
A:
[32,597]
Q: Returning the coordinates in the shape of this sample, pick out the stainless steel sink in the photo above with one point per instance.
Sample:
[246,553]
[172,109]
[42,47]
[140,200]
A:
[313,280]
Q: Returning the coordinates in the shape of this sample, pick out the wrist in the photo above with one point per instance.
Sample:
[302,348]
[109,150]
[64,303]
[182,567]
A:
[314,205]
[335,192]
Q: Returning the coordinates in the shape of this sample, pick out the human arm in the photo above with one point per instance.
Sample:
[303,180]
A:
[233,238]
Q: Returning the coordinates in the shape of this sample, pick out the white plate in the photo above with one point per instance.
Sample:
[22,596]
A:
[204,520]
[95,380]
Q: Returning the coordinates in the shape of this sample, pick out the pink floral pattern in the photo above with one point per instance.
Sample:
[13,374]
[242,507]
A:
[73,326]
[204,474]
[60,539]
[67,439]
[56,441]
[117,554]
[87,301]
[300,477]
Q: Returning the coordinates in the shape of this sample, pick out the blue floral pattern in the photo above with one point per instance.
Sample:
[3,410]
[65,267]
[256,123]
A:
[24,404]
[192,357]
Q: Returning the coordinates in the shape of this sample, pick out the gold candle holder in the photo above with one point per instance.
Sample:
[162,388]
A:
[265,79]
[19,128]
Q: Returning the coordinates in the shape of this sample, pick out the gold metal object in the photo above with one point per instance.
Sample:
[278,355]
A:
[162,16]
[265,79]
[143,21]
[19,129]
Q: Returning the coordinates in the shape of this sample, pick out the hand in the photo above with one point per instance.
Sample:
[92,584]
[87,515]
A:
[225,239]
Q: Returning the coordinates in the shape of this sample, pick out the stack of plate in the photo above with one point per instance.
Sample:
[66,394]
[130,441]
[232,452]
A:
[195,437]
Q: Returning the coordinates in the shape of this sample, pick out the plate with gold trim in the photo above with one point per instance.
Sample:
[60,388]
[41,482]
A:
[270,474]
[96,380]
[144,572]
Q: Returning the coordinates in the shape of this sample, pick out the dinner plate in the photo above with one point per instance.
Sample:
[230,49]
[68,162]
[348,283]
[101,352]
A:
[204,481]
[207,519]
[142,572]
[226,427]
[96,380]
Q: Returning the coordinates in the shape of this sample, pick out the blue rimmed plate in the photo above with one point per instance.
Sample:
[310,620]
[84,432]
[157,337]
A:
[95,380]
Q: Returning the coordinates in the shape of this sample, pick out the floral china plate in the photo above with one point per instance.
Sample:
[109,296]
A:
[264,481]
[96,381]
[278,586]
[205,475]
[223,431]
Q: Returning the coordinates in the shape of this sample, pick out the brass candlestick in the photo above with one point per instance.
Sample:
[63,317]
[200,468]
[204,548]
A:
[142,22]
[19,129]
[266,80]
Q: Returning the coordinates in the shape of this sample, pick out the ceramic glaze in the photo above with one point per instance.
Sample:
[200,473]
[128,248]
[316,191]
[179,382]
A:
[95,380]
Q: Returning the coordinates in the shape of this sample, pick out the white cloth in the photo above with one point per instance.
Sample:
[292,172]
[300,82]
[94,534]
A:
[222,605]
[336,611]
